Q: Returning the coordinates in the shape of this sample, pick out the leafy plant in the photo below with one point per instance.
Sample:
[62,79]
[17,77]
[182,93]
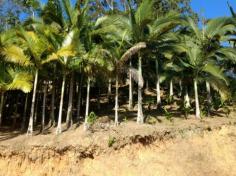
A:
[92,118]
[111,141]
[168,115]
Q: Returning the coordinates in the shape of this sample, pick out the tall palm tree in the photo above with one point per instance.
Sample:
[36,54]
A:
[131,28]
[13,77]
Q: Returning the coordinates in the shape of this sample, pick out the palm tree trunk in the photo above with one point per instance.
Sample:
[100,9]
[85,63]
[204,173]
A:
[87,105]
[158,85]
[171,88]
[44,108]
[1,107]
[196,99]
[180,88]
[52,113]
[36,109]
[59,129]
[117,101]
[209,99]
[140,118]
[79,98]
[186,99]
[24,114]
[31,120]
[70,103]
[130,88]
[109,90]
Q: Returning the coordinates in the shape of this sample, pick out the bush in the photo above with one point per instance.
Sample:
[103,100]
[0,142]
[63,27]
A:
[92,118]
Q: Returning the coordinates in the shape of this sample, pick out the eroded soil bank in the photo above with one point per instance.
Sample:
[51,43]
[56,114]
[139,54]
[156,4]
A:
[189,147]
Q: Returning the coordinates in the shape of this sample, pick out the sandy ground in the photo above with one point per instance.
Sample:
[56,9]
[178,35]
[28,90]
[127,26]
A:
[179,148]
[209,154]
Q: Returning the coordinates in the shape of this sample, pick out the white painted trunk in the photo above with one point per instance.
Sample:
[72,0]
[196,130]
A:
[140,118]
[130,88]
[59,129]
[158,85]
[209,98]
[117,101]
[87,105]
[1,108]
[44,107]
[31,119]
[196,99]
[70,104]
[171,88]
[186,99]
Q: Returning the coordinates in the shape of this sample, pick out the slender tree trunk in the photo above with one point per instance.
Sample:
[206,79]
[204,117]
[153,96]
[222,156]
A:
[31,119]
[196,99]
[209,99]
[158,85]
[109,90]
[130,88]
[36,109]
[25,112]
[147,85]
[186,99]
[70,103]
[52,113]
[180,88]
[79,98]
[87,105]
[140,118]
[171,88]
[1,107]
[117,101]
[59,129]
[44,107]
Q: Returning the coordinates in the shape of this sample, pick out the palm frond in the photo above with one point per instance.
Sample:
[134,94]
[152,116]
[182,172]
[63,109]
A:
[15,55]
[215,71]
[20,81]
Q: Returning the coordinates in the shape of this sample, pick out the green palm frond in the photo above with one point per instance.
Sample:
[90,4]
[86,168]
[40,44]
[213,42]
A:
[20,81]
[219,26]
[193,26]
[144,13]
[221,87]
[164,24]
[15,55]
[63,52]
[215,71]
[227,54]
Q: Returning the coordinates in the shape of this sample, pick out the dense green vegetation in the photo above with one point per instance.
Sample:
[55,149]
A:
[64,54]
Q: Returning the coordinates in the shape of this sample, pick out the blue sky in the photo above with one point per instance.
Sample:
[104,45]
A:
[209,8]
[212,8]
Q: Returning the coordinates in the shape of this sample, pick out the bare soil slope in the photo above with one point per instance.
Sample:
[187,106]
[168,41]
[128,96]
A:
[179,148]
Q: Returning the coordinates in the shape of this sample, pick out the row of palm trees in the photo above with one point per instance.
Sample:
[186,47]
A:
[67,41]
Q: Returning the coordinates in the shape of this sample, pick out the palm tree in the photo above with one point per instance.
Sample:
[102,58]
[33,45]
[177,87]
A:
[205,66]
[12,77]
[131,28]
[208,49]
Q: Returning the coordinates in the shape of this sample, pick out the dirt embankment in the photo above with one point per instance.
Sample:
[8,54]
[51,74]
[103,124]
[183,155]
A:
[181,149]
